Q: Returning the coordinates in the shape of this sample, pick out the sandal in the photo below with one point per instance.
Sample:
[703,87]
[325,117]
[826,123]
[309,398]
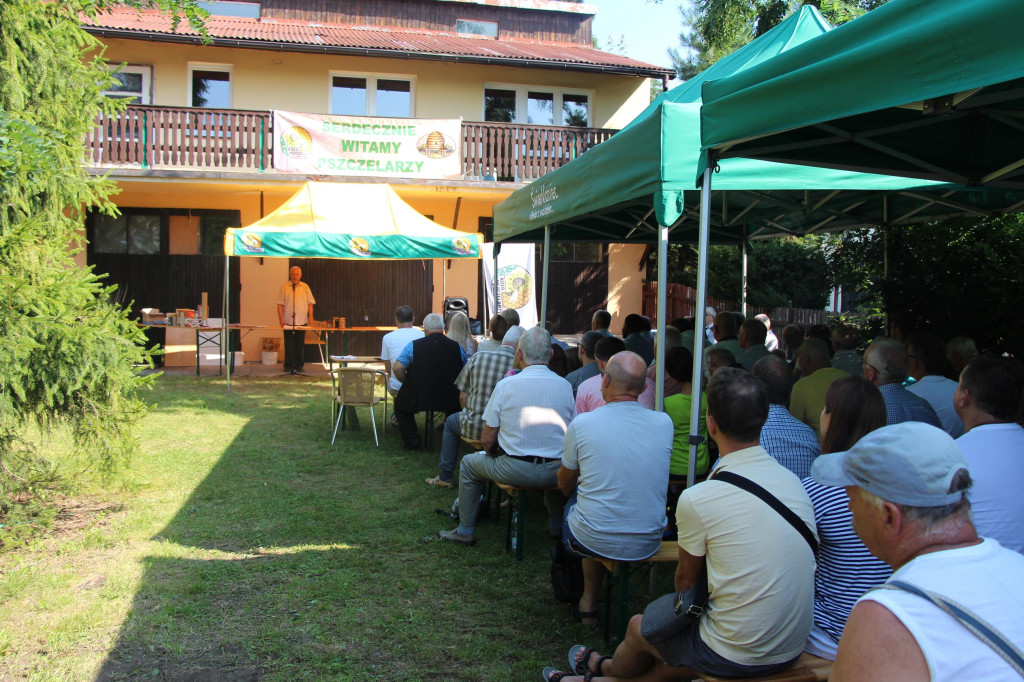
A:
[581,615]
[552,674]
[579,660]
[438,483]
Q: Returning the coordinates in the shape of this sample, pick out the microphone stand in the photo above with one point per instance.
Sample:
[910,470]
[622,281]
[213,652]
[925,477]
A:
[293,335]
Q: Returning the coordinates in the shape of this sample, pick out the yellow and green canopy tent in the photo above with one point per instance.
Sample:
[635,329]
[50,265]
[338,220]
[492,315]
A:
[345,220]
[352,221]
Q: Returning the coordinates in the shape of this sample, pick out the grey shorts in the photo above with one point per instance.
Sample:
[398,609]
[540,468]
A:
[689,650]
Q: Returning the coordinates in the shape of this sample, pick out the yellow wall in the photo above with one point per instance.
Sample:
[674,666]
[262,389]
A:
[625,282]
[264,80]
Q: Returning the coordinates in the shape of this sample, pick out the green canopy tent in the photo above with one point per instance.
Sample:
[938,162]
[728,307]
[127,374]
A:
[633,187]
[345,221]
[931,89]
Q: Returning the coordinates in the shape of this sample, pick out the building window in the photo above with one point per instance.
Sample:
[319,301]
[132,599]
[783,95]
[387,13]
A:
[133,83]
[210,86]
[364,95]
[536,106]
[152,231]
[128,233]
[228,8]
[575,252]
[476,28]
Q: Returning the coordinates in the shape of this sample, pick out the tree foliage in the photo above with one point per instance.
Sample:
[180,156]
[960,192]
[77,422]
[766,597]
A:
[779,271]
[713,29]
[67,355]
[951,278]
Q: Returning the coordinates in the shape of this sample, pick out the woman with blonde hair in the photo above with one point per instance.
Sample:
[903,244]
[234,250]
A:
[459,332]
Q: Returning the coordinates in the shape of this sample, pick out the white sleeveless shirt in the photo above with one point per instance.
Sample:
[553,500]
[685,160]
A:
[986,578]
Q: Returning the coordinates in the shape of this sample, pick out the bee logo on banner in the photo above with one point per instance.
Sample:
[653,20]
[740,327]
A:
[320,144]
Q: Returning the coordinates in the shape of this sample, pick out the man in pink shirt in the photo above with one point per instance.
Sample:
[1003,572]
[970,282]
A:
[588,395]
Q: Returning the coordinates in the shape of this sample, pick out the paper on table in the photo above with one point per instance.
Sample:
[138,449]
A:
[344,357]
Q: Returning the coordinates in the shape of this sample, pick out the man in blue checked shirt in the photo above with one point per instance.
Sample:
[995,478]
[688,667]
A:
[791,442]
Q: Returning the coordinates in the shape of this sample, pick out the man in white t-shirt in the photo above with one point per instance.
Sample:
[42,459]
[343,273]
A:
[988,399]
[394,343]
[908,487]
[760,569]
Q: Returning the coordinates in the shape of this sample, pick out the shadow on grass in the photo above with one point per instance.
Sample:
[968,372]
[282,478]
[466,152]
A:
[293,559]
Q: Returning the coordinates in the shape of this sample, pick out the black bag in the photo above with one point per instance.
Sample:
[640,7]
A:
[566,575]
[668,615]
[671,614]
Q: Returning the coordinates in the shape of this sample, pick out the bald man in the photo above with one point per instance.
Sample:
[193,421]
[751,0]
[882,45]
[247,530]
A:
[615,471]
[294,309]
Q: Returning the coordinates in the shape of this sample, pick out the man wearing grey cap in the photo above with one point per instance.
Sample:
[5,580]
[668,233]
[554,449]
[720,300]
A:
[908,486]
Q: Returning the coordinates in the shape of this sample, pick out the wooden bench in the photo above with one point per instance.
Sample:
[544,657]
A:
[808,668]
[620,573]
[515,530]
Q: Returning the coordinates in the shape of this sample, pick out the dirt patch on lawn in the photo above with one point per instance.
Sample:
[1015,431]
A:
[77,514]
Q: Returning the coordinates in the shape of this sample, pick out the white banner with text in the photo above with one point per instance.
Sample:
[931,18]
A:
[321,144]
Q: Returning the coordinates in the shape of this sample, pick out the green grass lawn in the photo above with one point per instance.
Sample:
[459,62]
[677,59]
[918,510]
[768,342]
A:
[242,545]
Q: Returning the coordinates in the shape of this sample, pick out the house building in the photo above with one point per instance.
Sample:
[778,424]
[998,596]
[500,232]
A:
[195,152]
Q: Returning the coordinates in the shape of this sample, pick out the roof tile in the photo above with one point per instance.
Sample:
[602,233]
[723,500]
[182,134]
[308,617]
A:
[301,33]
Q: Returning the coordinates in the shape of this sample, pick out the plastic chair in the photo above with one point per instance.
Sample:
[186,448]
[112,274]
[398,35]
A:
[357,386]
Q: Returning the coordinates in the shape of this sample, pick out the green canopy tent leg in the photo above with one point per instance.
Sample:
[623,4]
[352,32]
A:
[745,260]
[225,339]
[659,352]
[703,240]
[544,282]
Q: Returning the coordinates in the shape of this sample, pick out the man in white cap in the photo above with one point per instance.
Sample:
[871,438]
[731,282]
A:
[952,607]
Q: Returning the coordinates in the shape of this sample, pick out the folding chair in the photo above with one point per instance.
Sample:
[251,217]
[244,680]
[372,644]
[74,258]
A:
[357,386]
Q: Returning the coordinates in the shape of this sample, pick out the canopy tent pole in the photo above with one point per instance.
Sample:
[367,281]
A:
[698,338]
[659,352]
[226,323]
[497,301]
[886,229]
[544,282]
[743,276]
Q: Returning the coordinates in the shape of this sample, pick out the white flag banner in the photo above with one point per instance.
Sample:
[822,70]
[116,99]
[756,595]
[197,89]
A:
[322,144]
[516,281]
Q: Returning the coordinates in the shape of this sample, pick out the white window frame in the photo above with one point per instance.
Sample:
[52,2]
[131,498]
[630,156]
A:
[522,101]
[371,90]
[207,66]
[146,70]
[477,21]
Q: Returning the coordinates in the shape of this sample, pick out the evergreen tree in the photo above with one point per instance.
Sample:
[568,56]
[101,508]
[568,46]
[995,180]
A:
[68,356]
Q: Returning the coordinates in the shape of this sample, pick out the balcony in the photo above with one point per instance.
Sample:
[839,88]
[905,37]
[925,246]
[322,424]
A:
[232,140]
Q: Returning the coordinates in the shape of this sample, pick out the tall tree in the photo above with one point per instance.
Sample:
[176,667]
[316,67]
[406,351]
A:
[67,355]
[713,29]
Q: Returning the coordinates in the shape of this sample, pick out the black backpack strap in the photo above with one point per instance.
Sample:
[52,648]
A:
[771,501]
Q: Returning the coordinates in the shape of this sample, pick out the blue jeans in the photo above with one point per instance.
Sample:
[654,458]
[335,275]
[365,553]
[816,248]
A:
[450,446]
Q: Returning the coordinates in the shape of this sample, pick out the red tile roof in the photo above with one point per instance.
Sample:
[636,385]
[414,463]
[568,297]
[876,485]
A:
[126,22]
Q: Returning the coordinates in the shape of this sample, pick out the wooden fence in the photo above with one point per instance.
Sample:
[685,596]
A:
[681,301]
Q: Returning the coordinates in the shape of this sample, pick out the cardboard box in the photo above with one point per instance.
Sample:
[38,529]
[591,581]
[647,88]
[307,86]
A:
[270,344]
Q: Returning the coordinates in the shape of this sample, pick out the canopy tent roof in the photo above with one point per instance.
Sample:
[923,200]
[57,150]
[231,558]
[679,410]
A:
[621,190]
[930,89]
[352,221]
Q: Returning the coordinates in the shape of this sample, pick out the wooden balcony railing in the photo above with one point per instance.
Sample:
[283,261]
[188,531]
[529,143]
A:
[182,138]
[187,138]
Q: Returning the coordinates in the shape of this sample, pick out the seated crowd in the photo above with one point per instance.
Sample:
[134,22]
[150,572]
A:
[893,487]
